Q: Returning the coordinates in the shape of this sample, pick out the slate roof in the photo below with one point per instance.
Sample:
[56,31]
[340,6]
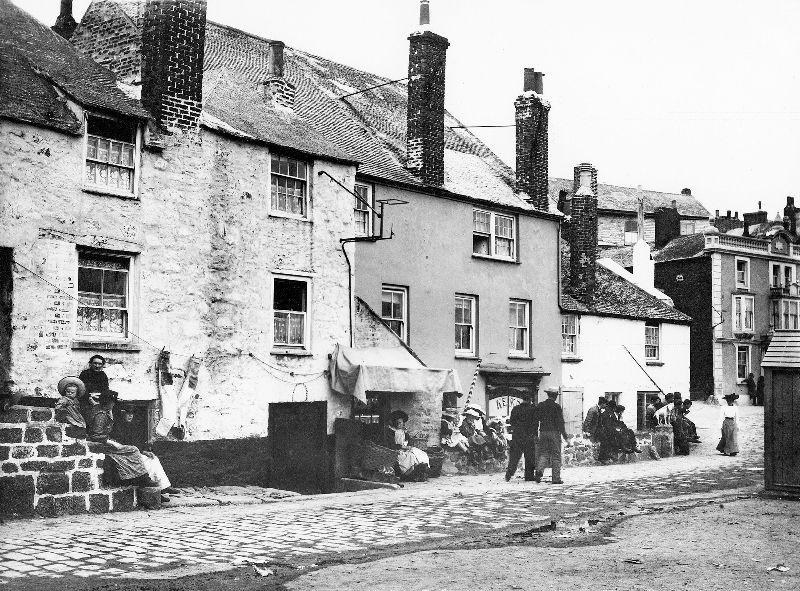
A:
[615,198]
[34,59]
[622,255]
[682,247]
[618,297]
[371,125]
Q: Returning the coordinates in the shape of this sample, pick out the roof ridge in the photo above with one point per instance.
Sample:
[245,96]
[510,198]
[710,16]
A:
[645,293]
[555,178]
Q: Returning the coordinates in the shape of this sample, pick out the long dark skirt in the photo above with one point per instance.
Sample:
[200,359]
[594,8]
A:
[729,442]
[127,459]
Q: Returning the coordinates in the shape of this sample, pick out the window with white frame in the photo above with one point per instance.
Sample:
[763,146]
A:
[781,275]
[518,327]
[103,293]
[631,232]
[688,227]
[111,155]
[570,329]
[493,234]
[363,214]
[786,314]
[466,318]
[289,185]
[652,345]
[394,310]
[290,312]
[742,362]
[742,272]
[742,313]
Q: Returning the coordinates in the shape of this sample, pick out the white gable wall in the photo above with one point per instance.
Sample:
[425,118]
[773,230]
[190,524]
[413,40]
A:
[605,366]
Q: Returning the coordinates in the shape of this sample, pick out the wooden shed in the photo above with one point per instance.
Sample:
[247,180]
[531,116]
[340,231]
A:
[781,367]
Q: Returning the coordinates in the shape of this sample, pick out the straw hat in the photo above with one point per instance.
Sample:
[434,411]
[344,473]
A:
[395,414]
[71,381]
[470,412]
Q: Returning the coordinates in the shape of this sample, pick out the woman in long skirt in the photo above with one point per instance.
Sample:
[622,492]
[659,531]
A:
[729,443]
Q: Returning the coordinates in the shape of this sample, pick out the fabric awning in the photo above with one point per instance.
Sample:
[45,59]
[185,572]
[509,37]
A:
[783,350]
[356,371]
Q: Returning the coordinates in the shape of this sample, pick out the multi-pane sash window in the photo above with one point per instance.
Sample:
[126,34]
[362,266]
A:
[518,327]
[289,306]
[786,314]
[110,155]
[743,313]
[742,272]
[465,324]
[363,215]
[651,341]
[569,334]
[687,227]
[394,310]
[742,361]
[289,185]
[493,234]
[103,295]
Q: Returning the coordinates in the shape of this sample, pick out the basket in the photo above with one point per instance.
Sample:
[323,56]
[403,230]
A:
[376,456]
[436,458]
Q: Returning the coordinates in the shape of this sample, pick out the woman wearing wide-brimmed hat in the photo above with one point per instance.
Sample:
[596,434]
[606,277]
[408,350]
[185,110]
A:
[412,462]
[729,442]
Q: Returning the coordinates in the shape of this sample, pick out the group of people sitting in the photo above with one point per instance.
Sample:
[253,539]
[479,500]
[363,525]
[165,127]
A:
[674,411]
[479,438]
[604,425]
[87,402]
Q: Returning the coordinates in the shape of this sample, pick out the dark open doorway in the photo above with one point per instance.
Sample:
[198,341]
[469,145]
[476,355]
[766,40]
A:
[298,433]
[6,302]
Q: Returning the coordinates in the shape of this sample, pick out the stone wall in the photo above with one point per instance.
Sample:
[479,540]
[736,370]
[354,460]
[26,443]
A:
[46,471]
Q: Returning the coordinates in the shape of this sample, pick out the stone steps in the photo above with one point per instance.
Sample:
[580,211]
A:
[46,471]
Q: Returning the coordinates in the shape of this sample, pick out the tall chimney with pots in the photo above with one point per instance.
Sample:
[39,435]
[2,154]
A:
[173,48]
[425,115]
[532,114]
[65,23]
[583,235]
[277,90]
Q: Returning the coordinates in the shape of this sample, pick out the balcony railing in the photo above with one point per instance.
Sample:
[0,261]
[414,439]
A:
[736,243]
[778,292]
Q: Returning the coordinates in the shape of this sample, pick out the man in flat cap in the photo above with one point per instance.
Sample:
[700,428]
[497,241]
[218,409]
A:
[523,438]
[550,421]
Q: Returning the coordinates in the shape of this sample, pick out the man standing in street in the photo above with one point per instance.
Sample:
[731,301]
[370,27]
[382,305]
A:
[550,421]
[523,438]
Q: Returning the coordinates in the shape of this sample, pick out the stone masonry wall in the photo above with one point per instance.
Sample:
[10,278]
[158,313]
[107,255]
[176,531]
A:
[46,471]
[205,249]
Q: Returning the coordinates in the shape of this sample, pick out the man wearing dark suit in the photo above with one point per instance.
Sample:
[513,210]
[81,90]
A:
[523,438]
[550,421]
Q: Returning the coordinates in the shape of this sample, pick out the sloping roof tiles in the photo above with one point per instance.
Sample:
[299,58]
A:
[34,60]
[613,197]
[616,296]
[682,247]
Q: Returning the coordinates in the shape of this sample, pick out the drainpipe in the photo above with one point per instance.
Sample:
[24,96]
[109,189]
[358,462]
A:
[350,274]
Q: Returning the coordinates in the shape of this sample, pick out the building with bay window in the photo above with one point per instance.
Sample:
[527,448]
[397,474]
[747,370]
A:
[740,288]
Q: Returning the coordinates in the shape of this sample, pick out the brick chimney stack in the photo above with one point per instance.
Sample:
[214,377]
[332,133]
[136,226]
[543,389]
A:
[532,113]
[277,90]
[583,237]
[65,23]
[173,48]
[425,115]
[790,212]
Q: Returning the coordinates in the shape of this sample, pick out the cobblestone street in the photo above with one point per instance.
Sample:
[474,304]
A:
[207,539]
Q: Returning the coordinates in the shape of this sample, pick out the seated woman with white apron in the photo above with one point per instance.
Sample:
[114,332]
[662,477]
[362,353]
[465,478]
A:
[412,463]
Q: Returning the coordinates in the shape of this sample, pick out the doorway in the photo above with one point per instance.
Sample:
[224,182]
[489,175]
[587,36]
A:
[298,434]
[572,407]
[782,432]
[643,398]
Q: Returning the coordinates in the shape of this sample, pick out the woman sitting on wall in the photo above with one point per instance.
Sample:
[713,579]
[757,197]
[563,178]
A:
[412,463]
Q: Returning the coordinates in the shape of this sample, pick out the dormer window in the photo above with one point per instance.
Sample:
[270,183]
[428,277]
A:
[111,155]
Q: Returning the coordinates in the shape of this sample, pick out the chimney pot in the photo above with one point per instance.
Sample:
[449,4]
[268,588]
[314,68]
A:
[424,13]
[529,83]
[759,206]
[532,115]
[736,215]
[275,59]
[728,214]
[538,82]
[716,213]
[789,200]
[65,23]
[686,191]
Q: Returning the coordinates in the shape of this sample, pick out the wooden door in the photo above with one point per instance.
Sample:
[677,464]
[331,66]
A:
[572,407]
[298,432]
[782,431]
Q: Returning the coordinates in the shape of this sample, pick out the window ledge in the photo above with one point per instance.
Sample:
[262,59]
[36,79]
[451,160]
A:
[288,216]
[519,356]
[654,362]
[104,345]
[486,257]
[570,359]
[466,356]
[291,352]
[96,190]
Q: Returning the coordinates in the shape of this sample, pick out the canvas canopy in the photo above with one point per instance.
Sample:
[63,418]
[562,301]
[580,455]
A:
[356,371]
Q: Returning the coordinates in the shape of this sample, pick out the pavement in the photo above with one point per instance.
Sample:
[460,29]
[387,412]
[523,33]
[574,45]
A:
[187,540]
